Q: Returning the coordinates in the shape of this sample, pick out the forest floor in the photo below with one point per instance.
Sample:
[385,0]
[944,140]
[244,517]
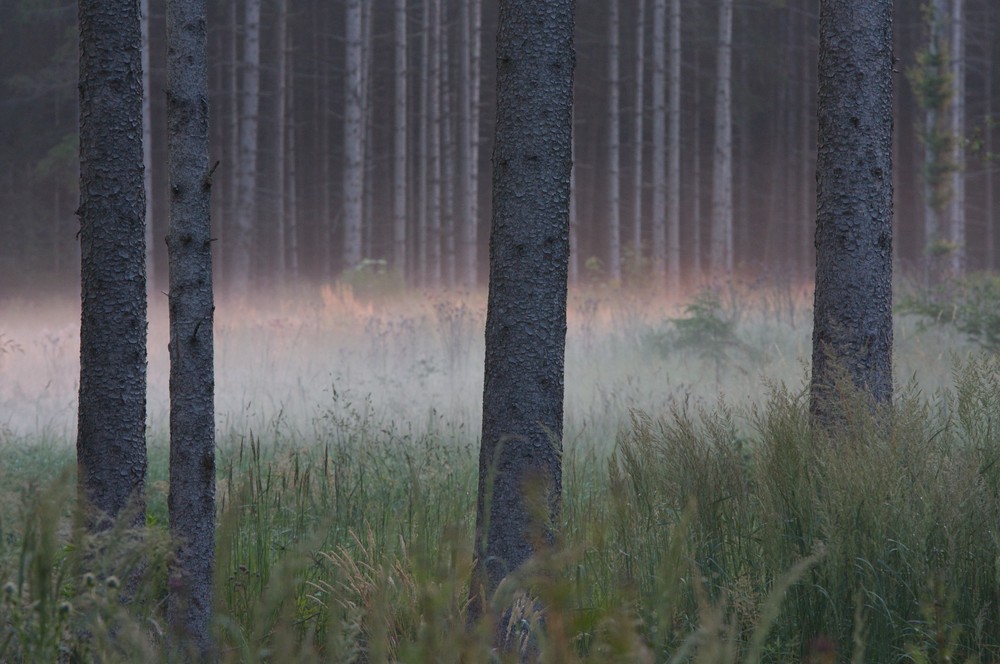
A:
[700,517]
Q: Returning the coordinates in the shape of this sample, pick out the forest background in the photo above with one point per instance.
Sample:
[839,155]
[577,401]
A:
[279,95]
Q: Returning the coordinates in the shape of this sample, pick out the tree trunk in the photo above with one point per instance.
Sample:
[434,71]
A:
[292,191]
[659,143]
[852,319]
[614,148]
[722,158]
[674,153]
[192,380]
[147,150]
[434,147]
[957,214]
[520,478]
[111,438]
[399,208]
[448,149]
[353,137]
[281,128]
[246,211]
[423,146]
[638,145]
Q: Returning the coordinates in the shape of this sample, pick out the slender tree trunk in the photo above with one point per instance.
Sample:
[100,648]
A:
[472,193]
[353,136]
[423,147]
[399,203]
[614,148]
[192,379]
[294,260]
[281,129]
[520,477]
[696,220]
[573,270]
[957,214]
[991,215]
[674,153]
[111,434]
[449,155]
[852,319]
[722,158]
[638,144]
[233,170]
[147,150]
[246,212]
[368,145]
[659,143]
[434,138]
[935,194]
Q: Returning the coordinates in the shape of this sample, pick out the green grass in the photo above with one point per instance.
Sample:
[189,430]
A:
[694,527]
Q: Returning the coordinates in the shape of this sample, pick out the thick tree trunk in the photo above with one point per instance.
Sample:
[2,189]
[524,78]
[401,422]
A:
[111,438]
[192,378]
[852,319]
[659,143]
[722,157]
[614,147]
[353,136]
[674,153]
[520,477]
[400,138]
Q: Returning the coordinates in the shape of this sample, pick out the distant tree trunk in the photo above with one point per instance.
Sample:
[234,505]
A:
[353,136]
[930,77]
[659,143]
[957,214]
[614,148]
[638,144]
[469,139]
[192,379]
[696,221]
[111,438]
[246,206]
[292,191]
[674,154]
[991,216]
[722,158]
[423,146]
[448,149]
[434,147]
[852,319]
[520,477]
[147,149]
[399,204]
[233,170]
[281,129]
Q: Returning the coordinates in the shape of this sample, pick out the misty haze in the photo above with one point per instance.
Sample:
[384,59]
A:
[354,185]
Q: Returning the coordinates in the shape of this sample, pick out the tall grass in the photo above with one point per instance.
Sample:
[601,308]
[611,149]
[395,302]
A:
[694,527]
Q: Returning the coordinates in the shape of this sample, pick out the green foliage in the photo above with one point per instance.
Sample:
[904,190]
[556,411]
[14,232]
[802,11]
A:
[970,304]
[372,279]
[707,330]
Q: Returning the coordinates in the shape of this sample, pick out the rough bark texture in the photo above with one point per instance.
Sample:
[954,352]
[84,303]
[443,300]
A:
[526,316]
[192,378]
[111,442]
[852,325]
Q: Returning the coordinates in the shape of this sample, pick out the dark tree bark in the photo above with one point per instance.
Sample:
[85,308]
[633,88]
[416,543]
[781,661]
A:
[852,325]
[526,315]
[192,378]
[111,442]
